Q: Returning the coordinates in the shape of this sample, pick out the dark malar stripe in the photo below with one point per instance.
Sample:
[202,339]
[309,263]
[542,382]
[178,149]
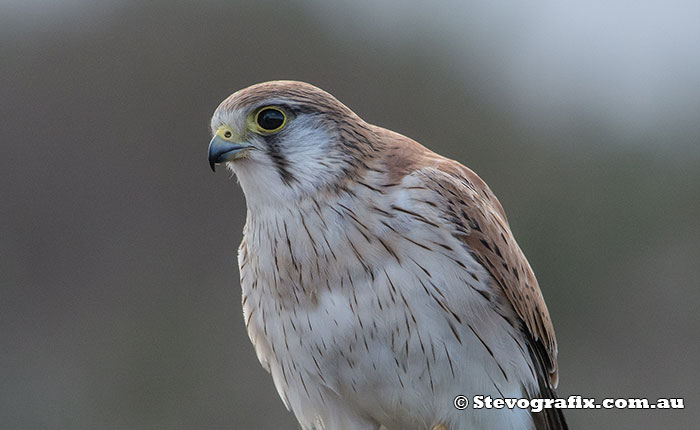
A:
[280,161]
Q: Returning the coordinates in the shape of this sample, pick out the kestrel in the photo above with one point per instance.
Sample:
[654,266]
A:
[380,280]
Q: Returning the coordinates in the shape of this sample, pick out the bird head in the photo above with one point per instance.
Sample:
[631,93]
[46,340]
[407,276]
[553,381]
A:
[286,139]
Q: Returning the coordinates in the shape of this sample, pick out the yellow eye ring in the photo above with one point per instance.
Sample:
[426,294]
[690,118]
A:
[270,119]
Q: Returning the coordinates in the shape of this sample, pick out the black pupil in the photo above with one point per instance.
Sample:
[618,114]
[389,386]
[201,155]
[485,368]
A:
[270,119]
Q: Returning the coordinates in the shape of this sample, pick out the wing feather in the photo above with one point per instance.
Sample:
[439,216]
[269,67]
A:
[482,226]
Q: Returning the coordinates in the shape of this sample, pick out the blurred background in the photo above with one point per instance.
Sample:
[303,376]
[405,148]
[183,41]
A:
[119,299]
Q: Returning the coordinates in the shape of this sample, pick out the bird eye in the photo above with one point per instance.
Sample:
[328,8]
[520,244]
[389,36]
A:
[227,134]
[271,119]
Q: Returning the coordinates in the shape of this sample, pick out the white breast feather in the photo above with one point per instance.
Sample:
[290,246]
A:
[354,336]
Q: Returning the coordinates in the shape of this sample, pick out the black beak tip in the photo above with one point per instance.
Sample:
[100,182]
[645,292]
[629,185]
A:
[212,165]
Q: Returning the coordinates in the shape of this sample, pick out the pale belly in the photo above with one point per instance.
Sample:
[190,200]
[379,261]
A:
[391,349]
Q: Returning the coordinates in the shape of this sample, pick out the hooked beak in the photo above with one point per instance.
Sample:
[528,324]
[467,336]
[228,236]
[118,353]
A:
[224,147]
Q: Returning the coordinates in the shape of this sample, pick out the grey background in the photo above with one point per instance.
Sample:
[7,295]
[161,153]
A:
[119,300]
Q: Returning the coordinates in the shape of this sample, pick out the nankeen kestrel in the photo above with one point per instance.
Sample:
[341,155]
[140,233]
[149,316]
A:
[380,280]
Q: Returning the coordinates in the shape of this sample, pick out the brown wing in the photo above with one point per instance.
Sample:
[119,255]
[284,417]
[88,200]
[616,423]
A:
[480,222]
